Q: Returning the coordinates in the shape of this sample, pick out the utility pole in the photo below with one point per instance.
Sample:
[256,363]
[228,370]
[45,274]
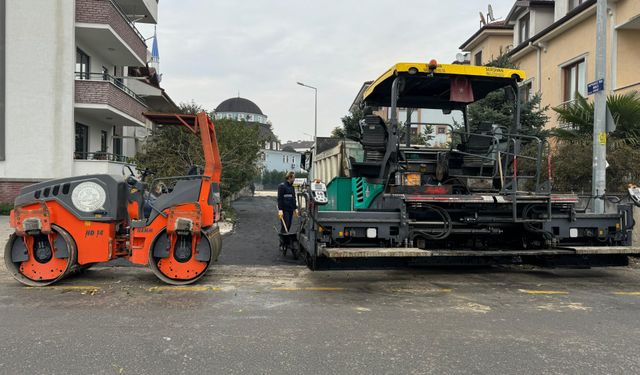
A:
[599,175]
[315,124]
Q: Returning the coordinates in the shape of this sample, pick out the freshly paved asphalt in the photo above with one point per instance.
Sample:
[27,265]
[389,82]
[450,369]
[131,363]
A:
[258,313]
[255,241]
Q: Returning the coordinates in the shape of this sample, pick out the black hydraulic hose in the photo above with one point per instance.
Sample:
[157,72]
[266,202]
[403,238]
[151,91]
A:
[531,228]
[446,230]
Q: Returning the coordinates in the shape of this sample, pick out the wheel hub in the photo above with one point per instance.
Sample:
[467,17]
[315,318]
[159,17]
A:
[42,250]
[182,251]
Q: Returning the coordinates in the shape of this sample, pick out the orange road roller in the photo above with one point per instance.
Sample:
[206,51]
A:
[66,225]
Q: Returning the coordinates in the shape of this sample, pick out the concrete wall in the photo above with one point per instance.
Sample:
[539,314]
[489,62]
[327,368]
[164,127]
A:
[628,55]
[560,9]
[2,85]
[40,89]
[492,47]
[627,52]
[541,18]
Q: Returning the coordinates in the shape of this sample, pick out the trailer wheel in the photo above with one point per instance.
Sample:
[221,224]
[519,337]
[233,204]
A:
[41,260]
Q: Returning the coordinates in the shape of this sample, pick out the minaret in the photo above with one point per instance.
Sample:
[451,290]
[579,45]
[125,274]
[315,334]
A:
[155,55]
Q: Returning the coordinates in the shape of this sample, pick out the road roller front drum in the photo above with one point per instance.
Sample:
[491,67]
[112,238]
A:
[181,259]
[41,259]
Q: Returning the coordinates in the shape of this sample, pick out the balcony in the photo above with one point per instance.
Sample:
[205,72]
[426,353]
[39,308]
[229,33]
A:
[144,11]
[103,26]
[101,163]
[104,98]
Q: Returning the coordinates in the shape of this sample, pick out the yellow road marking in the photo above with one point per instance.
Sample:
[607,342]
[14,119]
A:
[185,288]
[627,293]
[309,289]
[68,287]
[547,292]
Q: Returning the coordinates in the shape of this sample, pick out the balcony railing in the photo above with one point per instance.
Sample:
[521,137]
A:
[108,12]
[118,82]
[122,13]
[102,156]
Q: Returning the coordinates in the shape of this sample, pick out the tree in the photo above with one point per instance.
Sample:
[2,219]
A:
[420,138]
[496,108]
[350,126]
[572,160]
[190,108]
[578,117]
[172,151]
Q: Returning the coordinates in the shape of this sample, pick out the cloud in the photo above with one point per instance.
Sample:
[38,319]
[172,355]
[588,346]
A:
[211,50]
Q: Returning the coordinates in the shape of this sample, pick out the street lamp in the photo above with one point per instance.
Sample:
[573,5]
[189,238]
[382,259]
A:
[315,126]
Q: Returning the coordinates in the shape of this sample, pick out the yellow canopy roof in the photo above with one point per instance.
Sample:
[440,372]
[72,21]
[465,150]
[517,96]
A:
[430,88]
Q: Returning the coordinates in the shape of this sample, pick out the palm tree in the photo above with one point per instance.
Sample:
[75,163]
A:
[572,156]
[578,119]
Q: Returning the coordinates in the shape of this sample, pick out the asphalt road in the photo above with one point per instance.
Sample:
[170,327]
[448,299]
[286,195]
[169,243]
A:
[255,239]
[256,313]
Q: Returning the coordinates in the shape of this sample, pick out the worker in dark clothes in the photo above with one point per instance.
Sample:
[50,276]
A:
[287,203]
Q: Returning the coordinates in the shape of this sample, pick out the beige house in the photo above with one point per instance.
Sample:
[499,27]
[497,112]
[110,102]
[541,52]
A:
[554,43]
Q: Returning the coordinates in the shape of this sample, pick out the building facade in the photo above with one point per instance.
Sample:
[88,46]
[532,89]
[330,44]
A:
[271,155]
[554,42]
[70,105]
[283,161]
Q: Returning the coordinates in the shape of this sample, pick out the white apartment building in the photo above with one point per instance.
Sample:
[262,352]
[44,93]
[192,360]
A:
[74,83]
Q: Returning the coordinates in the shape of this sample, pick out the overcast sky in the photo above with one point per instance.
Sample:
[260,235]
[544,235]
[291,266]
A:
[211,50]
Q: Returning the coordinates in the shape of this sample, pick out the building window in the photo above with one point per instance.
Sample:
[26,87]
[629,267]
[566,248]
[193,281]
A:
[117,143]
[82,141]
[442,130]
[103,140]
[283,159]
[478,59]
[83,65]
[574,76]
[575,3]
[523,28]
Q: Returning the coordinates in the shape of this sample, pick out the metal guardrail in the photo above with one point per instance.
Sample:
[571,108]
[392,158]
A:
[102,156]
[85,76]
[502,159]
[133,27]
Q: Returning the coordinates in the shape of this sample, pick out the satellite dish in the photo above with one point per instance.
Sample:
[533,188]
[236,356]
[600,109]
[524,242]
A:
[460,57]
[490,16]
[482,20]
